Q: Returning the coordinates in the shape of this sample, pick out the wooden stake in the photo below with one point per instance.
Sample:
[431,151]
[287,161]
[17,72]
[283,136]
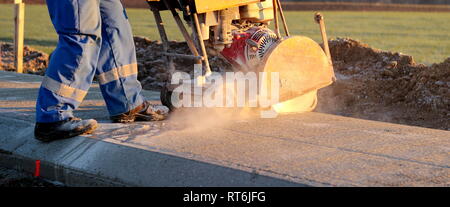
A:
[19,20]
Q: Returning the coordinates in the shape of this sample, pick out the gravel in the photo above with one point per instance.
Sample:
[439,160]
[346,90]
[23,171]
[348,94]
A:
[35,61]
[14,178]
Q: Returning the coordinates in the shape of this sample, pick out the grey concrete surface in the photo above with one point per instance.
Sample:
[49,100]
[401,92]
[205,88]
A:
[221,148]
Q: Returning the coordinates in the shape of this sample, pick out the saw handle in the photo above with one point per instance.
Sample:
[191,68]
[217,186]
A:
[318,17]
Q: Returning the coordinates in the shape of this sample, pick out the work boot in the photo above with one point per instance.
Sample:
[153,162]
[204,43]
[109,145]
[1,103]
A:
[145,112]
[71,127]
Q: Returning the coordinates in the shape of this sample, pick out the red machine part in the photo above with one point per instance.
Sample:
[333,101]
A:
[249,47]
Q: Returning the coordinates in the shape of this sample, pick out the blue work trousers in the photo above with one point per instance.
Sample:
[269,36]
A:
[95,39]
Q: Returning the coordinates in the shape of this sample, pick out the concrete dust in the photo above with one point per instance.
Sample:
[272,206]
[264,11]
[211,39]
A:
[35,62]
[203,119]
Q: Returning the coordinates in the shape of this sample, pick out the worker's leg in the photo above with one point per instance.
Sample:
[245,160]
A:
[73,62]
[117,65]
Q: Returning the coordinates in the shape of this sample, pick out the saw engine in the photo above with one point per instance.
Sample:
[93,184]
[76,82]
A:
[239,30]
[248,48]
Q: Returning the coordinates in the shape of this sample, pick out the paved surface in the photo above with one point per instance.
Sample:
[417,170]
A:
[221,148]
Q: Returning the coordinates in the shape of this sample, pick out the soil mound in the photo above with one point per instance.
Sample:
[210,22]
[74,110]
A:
[387,86]
[34,61]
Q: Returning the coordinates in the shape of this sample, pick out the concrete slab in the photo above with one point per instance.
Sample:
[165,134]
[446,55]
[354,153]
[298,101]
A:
[221,148]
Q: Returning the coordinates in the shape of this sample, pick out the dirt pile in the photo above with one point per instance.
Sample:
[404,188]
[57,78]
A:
[386,86]
[34,61]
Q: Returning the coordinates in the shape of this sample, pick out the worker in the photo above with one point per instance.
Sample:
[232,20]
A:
[95,39]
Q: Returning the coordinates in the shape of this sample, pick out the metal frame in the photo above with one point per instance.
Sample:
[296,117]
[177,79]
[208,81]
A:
[201,59]
[198,45]
[196,32]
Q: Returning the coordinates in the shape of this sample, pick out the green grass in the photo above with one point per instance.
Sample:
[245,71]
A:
[426,36]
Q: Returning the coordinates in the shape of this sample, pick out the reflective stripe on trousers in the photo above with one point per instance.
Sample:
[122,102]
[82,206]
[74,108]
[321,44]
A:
[63,89]
[116,73]
[95,38]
